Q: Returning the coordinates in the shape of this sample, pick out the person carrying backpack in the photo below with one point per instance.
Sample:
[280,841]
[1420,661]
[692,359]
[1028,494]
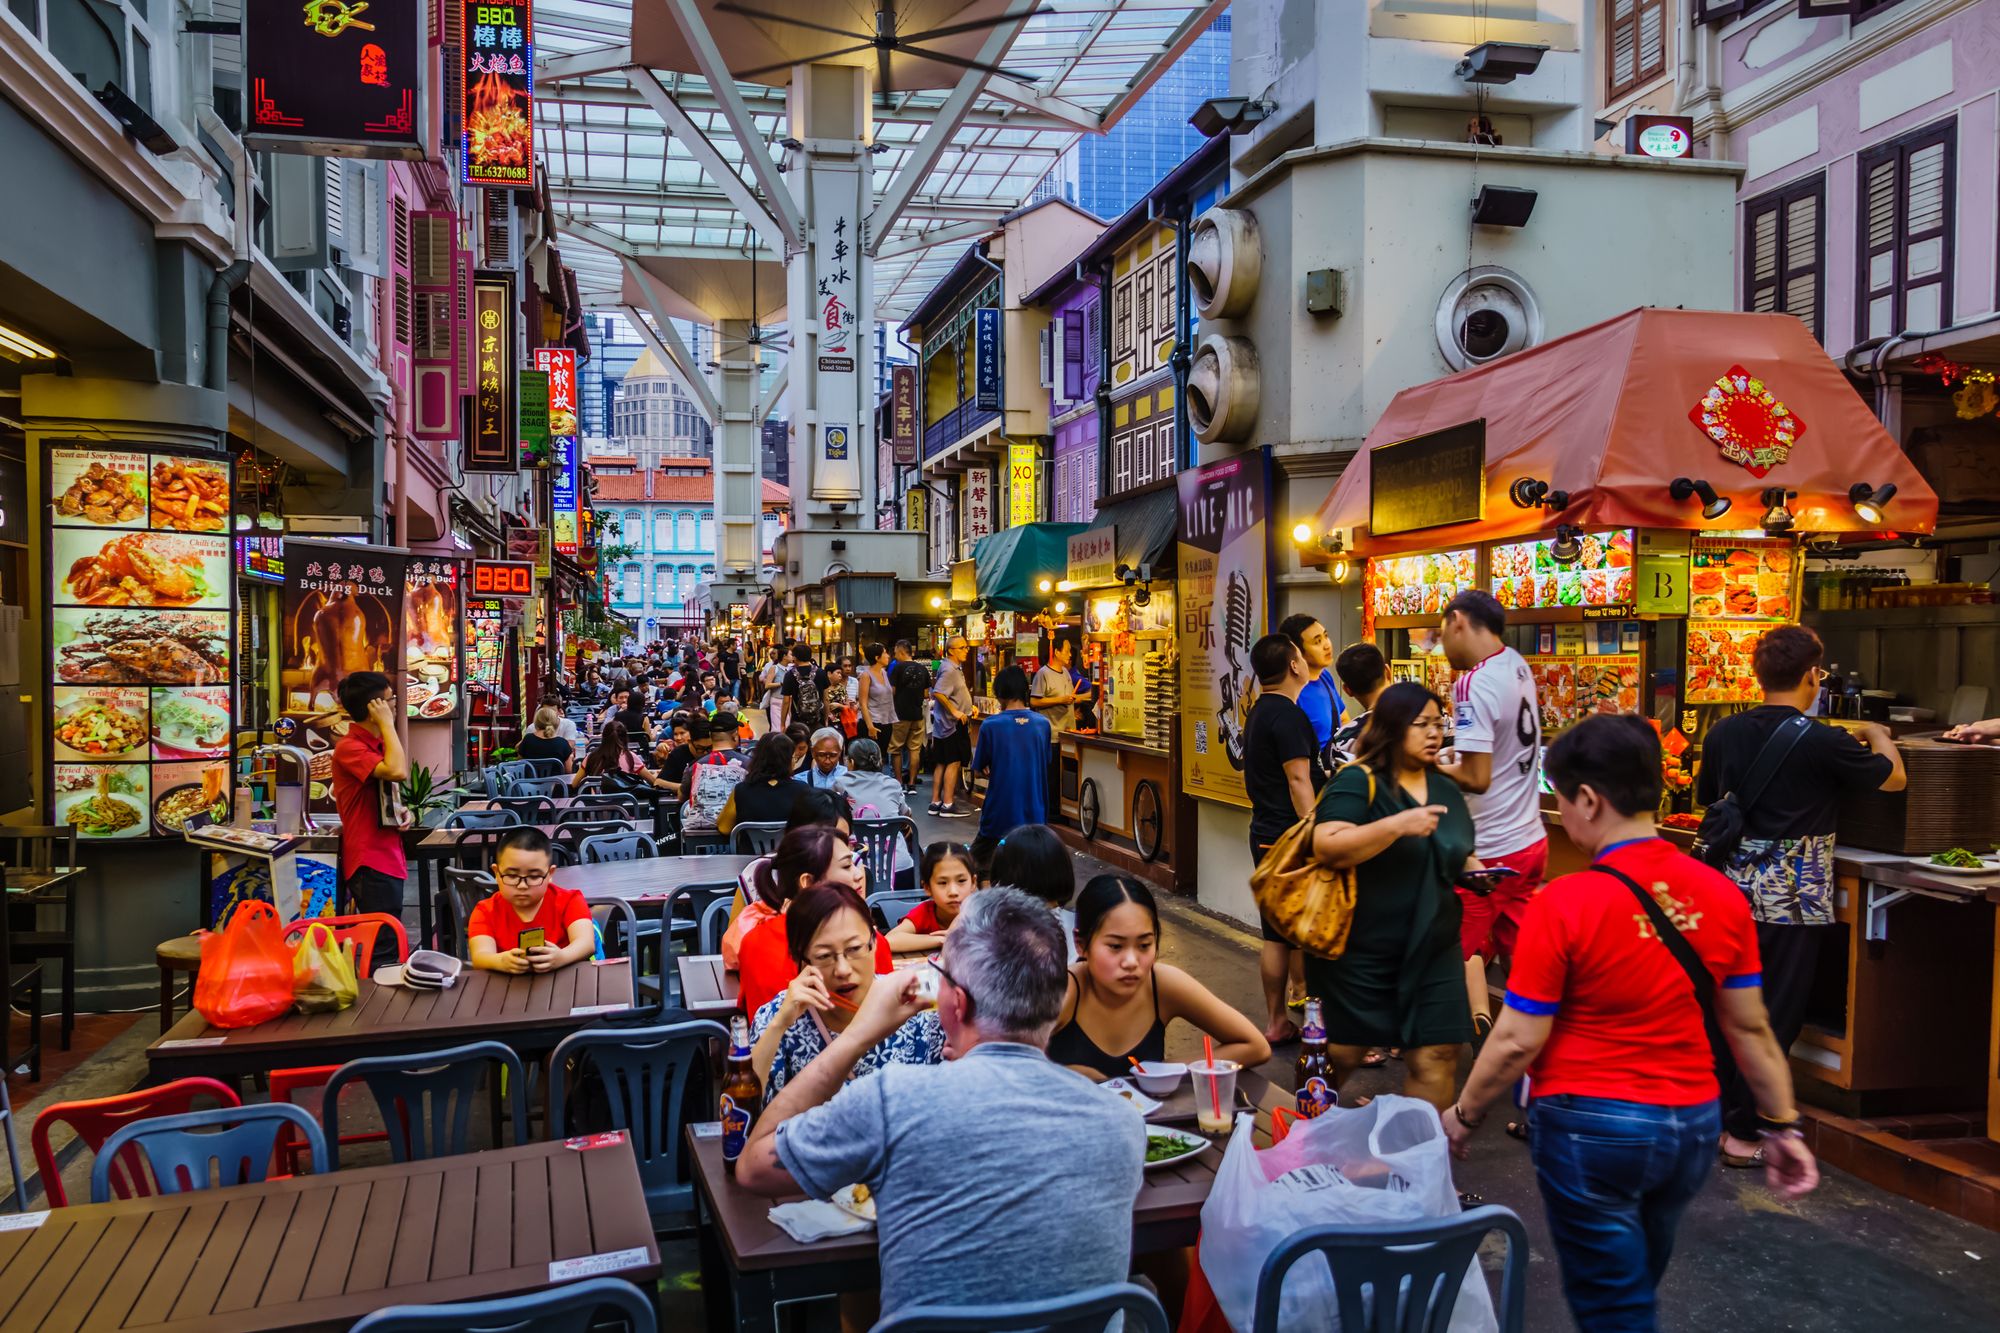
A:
[804,690]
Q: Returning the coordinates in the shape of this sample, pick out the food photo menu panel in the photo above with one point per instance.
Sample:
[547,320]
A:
[141,589]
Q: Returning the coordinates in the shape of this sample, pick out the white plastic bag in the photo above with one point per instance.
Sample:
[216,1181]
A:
[1384,1164]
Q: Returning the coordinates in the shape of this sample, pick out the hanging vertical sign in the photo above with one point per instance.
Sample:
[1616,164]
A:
[916,508]
[1225,605]
[491,441]
[1023,495]
[836,455]
[978,506]
[343,613]
[335,74]
[903,414]
[560,363]
[986,359]
[497,92]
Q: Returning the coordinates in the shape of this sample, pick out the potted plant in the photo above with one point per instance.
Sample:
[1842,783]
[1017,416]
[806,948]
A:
[423,797]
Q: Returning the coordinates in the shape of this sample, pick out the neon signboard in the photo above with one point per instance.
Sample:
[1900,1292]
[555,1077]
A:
[497,110]
[335,73]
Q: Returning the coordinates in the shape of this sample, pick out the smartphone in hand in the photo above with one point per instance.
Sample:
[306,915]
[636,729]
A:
[536,938]
[1483,882]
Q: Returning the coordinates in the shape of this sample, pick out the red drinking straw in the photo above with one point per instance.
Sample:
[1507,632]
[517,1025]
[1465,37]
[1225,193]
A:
[1214,1087]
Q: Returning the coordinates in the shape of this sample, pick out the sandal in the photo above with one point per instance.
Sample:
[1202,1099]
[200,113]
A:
[1753,1161]
[1517,1129]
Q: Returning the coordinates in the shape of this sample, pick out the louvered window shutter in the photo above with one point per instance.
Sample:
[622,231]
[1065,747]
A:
[1622,45]
[434,344]
[1782,253]
[1906,201]
[1072,353]
[403,299]
[1652,41]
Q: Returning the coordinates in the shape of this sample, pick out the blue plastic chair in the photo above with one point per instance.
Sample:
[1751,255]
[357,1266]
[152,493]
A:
[180,1156]
[757,839]
[531,809]
[618,847]
[568,1309]
[714,924]
[487,818]
[1085,1312]
[619,935]
[1404,1279]
[426,1099]
[890,906]
[533,786]
[685,925]
[13,1150]
[644,1072]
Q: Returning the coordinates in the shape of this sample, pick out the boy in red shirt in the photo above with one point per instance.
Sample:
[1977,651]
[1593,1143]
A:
[373,870]
[555,921]
[1625,1118]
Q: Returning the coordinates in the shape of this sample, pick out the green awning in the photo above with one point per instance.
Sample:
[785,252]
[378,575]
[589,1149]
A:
[1145,529]
[1012,564]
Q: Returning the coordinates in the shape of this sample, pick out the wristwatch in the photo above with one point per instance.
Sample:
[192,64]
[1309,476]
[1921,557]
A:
[1460,1113]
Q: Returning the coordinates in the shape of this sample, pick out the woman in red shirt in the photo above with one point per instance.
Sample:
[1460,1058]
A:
[814,854]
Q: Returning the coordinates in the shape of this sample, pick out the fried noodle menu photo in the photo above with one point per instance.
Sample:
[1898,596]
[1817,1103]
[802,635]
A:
[140,671]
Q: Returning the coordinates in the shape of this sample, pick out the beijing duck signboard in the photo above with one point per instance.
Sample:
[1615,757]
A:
[335,77]
[497,119]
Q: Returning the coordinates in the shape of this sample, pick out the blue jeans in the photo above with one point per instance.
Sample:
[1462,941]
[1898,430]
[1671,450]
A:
[1615,1179]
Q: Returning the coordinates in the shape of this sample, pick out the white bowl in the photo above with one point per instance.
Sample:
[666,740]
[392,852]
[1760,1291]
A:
[1158,1078]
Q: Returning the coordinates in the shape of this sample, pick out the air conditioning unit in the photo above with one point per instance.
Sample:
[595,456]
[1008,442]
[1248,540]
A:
[1223,390]
[1225,261]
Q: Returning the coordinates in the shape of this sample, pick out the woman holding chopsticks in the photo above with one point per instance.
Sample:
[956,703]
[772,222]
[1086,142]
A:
[833,942]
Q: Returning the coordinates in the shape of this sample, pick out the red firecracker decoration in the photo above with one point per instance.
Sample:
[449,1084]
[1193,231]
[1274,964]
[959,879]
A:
[1747,422]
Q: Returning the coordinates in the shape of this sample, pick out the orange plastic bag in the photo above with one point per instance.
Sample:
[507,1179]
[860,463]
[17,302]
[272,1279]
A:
[246,970]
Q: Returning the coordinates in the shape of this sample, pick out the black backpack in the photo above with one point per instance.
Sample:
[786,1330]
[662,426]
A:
[1723,823]
[806,702]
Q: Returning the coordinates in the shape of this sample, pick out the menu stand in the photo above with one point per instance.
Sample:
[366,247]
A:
[298,874]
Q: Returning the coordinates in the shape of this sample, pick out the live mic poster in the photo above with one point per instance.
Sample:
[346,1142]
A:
[343,613]
[1225,606]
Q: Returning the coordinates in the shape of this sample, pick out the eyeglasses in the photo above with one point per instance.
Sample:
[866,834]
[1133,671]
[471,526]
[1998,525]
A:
[939,968]
[857,957]
[1433,725]
[521,879]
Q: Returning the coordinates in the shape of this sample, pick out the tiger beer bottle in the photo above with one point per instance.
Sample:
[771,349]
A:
[1316,1094]
[742,1095]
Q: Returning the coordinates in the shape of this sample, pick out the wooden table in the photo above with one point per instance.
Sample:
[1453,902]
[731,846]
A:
[652,878]
[708,989]
[746,1254]
[529,1013]
[559,802]
[319,1252]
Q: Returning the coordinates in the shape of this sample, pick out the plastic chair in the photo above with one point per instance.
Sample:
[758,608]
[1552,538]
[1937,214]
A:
[531,808]
[488,818]
[476,848]
[13,1150]
[426,1098]
[96,1120]
[570,836]
[875,842]
[618,847]
[1402,1279]
[617,924]
[644,1072]
[757,839]
[540,768]
[597,807]
[286,1084]
[891,905]
[465,890]
[714,924]
[527,786]
[574,1308]
[34,939]
[181,1155]
[359,930]
[1085,1312]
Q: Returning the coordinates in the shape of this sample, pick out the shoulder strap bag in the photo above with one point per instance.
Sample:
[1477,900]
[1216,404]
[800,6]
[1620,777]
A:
[1684,954]
[1311,905]
[1723,824]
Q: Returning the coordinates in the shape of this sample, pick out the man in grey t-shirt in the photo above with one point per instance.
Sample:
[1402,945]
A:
[1052,694]
[998,1176]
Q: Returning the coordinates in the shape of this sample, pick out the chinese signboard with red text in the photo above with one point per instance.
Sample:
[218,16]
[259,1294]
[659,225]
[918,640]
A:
[334,73]
[903,414]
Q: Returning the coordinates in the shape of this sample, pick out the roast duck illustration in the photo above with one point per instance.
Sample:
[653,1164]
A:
[334,637]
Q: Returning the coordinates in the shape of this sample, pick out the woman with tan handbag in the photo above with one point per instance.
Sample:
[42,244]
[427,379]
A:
[1404,830]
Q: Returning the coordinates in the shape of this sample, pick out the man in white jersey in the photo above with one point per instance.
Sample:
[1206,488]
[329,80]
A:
[1496,758]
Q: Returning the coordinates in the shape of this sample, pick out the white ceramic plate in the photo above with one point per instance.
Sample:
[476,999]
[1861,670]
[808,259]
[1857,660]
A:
[1119,1087]
[844,1200]
[1986,867]
[1195,1143]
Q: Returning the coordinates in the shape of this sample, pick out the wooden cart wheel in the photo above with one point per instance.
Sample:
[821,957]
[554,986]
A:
[1088,808]
[1148,825]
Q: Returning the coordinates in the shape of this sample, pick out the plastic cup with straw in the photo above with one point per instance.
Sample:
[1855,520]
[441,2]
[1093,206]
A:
[1214,1090]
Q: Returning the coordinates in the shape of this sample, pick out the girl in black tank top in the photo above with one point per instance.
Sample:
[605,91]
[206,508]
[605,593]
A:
[1118,983]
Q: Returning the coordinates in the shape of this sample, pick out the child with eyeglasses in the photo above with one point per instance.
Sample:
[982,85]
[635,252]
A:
[530,924]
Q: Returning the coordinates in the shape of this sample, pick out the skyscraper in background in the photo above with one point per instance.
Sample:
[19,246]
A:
[1108,173]
[613,349]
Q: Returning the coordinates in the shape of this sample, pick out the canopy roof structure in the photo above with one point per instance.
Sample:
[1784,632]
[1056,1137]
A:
[1613,413]
[657,120]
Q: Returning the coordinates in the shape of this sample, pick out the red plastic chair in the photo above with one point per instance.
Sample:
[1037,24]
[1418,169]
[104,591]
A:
[97,1120]
[286,1082]
[359,930]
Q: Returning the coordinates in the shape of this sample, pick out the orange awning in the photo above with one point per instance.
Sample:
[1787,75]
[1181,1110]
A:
[1604,414]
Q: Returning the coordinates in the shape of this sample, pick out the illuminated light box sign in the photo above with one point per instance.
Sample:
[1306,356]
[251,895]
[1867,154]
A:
[503,578]
[560,364]
[1659,136]
[491,442]
[332,76]
[498,110]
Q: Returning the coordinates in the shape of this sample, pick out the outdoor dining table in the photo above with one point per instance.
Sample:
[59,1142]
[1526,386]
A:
[708,989]
[319,1252]
[746,1254]
[529,1013]
[651,878]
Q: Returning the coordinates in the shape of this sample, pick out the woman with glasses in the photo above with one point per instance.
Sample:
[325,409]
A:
[766,961]
[1404,830]
[833,943]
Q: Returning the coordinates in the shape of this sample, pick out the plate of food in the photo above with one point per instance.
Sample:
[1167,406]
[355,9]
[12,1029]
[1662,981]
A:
[438,704]
[176,805]
[105,727]
[856,1201]
[102,813]
[190,496]
[105,495]
[1119,1087]
[188,722]
[1166,1146]
[1959,861]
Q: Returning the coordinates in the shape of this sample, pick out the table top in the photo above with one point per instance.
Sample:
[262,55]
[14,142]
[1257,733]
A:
[444,839]
[653,877]
[322,1251]
[559,802]
[753,1241]
[541,1008]
[26,882]
[708,989]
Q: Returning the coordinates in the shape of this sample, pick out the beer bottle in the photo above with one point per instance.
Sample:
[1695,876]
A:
[742,1095]
[1316,1094]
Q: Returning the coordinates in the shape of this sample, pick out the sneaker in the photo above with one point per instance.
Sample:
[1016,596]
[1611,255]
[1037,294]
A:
[954,811]
[936,808]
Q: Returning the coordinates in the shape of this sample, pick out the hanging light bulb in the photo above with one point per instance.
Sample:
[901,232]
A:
[1567,549]
[1777,514]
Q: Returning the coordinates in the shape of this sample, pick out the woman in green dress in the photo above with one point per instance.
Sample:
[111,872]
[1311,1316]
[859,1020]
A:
[1403,828]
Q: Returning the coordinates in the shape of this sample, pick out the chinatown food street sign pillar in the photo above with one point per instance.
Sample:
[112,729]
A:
[497,92]
[335,77]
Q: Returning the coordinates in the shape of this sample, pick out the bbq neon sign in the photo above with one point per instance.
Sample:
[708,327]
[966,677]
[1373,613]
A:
[503,578]
[497,108]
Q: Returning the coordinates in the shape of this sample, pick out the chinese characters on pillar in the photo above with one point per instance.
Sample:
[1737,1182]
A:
[491,442]
[903,414]
[986,359]
[497,110]
[837,458]
[560,363]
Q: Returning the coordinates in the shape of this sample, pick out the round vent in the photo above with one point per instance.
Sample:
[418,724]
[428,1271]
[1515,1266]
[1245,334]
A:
[1225,259]
[1223,389]
[1484,314]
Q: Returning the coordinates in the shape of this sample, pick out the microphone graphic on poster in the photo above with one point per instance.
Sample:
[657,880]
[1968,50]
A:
[1235,687]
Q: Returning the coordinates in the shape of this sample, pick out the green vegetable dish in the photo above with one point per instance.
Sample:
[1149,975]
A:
[1958,858]
[1159,1148]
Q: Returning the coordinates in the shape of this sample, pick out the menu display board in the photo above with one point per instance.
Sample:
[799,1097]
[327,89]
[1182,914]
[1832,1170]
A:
[1527,577]
[343,613]
[1744,579]
[1124,710]
[141,603]
[1571,688]
[485,641]
[430,639]
[1718,667]
[261,558]
[1421,585]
